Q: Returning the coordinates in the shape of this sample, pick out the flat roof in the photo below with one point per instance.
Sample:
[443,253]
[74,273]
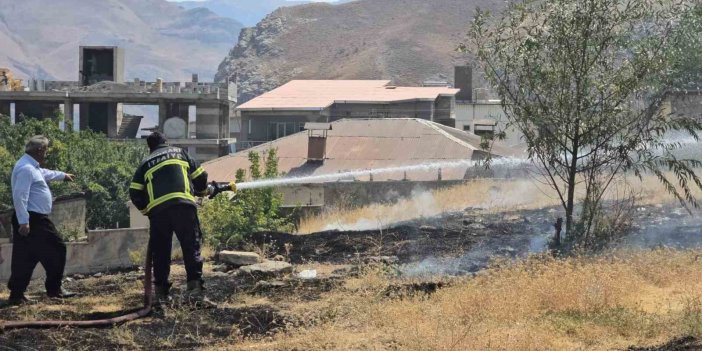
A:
[320,94]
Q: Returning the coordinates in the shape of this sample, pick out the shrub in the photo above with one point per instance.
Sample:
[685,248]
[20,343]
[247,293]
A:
[103,167]
[228,222]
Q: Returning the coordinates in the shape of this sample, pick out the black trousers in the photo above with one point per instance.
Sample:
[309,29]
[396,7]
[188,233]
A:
[42,245]
[181,218]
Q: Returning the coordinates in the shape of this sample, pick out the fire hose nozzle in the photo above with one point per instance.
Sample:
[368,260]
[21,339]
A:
[214,188]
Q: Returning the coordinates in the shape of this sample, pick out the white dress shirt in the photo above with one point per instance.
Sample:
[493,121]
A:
[30,191]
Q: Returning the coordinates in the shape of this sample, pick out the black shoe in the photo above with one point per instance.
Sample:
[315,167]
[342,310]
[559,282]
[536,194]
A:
[18,300]
[61,294]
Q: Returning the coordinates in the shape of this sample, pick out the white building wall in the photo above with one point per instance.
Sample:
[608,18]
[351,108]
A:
[467,113]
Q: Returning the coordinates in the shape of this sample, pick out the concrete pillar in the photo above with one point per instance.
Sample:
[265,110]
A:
[112,120]
[68,115]
[225,117]
[13,114]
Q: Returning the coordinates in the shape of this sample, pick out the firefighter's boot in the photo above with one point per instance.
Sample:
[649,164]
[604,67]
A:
[195,295]
[162,294]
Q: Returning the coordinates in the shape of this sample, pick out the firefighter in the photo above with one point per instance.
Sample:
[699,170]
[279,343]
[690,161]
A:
[164,189]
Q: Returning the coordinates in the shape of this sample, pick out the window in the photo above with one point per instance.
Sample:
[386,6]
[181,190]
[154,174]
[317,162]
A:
[466,127]
[488,133]
[277,130]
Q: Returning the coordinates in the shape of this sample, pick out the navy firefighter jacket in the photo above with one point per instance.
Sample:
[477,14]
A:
[166,177]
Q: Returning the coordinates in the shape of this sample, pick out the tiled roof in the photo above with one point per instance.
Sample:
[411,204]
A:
[359,144]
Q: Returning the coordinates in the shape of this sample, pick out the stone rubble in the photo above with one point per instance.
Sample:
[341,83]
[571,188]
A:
[268,268]
[239,258]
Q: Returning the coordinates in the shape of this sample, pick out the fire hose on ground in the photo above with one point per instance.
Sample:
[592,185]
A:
[212,190]
[5,325]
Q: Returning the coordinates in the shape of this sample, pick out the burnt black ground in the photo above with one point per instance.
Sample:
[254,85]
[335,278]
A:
[687,343]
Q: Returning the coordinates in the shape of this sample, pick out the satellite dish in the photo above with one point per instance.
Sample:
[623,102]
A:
[175,128]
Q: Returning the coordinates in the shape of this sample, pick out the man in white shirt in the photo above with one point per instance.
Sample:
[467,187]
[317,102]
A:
[35,238]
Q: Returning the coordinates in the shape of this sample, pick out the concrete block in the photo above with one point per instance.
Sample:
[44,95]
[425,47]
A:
[239,258]
[268,268]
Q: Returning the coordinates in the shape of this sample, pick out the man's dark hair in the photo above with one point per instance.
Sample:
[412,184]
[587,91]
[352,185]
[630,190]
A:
[155,140]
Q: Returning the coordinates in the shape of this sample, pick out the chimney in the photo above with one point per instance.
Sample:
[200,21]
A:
[463,80]
[317,141]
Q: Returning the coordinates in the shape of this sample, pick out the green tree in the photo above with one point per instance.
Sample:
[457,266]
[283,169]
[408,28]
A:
[103,167]
[584,82]
[227,223]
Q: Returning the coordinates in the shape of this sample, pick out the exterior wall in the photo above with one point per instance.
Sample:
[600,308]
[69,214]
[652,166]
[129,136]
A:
[306,195]
[136,218]
[467,113]
[349,194]
[259,129]
[414,109]
[445,108]
[103,250]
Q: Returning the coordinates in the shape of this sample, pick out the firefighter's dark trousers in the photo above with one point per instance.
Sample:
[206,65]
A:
[181,219]
[42,245]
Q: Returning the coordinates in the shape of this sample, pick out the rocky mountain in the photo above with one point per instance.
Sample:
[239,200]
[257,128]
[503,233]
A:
[40,38]
[407,41]
[247,12]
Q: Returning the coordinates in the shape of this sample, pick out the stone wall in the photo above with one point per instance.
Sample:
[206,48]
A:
[103,250]
[347,194]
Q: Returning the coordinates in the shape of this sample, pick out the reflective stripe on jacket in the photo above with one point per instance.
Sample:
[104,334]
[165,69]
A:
[167,176]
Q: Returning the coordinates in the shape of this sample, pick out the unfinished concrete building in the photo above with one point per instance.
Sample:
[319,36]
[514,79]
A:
[101,92]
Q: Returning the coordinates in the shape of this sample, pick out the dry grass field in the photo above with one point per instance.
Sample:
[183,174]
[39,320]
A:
[603,303]
[608,302]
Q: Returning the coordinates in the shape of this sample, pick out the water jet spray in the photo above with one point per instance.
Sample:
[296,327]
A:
[277,182]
